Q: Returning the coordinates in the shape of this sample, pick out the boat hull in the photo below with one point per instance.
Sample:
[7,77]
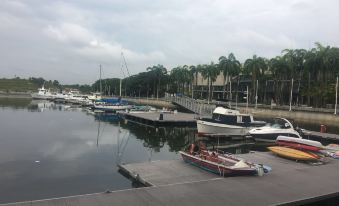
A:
[39,96]
[111,108]
[215,167]
[271,137]
[205,127]
[293,153]
[299,143]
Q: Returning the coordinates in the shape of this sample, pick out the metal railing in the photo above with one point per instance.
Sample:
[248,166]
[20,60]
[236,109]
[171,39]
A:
[198,107]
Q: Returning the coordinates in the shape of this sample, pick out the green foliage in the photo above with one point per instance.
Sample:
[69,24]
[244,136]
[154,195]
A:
[17,85]
[27,85]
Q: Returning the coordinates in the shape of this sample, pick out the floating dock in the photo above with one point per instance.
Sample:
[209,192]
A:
[154,119]
[321,136]
[177,183]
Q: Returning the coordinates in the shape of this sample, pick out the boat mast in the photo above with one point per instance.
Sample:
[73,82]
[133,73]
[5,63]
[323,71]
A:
[120,87]
[123,63]
[291,95]
[246,99]
[100,82]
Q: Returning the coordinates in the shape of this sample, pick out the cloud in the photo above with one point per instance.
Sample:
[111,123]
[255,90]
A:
[67,40]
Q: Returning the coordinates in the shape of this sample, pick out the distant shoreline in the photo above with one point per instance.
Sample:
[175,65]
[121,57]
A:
[16,95]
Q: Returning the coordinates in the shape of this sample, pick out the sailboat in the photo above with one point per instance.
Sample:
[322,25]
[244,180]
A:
[111,104]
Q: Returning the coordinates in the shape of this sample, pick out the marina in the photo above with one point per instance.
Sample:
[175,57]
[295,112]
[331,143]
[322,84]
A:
[161,175]
[169,103]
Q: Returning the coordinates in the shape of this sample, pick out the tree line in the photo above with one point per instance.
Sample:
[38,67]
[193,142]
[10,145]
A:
[313,71]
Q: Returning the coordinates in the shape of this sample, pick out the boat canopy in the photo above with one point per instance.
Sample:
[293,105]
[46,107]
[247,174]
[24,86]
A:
[224,111]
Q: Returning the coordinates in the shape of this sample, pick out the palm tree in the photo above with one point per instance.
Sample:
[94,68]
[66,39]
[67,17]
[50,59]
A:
[186,78]
[318,65]
[200,69]
[193,74]
[295,60]
[234,66]
[157,72]
[210,72]
[223,67]
[256,67]
[277,68]
[176,75]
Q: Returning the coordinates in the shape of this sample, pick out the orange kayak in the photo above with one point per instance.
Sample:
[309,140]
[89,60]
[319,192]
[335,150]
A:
[293,153]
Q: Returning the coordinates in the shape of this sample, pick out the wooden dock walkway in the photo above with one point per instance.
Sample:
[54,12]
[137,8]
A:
[321,136]
[177,183]
[169,119]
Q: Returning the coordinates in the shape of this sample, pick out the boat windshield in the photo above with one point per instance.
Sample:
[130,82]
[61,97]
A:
[279,124]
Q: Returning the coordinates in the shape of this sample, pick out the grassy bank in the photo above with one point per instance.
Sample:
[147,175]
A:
[17,85]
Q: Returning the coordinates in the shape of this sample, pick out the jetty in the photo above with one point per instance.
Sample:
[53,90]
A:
[160,119]
[321,136]
[175,182]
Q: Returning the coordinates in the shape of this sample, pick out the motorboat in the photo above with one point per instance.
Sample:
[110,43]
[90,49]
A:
[218,163]
[74,97]
[111,105]
[270,132]
[228,122]
[42,94]
[94,96]
[221,163]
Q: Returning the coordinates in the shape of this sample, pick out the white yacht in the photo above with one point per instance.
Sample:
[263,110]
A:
[227,122]
[270,132]
[42,94]
[107,107]
[75,97]
[94,96]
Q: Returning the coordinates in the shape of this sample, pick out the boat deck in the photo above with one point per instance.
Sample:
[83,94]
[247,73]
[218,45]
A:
[177,183]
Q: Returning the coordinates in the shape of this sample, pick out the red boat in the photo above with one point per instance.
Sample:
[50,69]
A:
[221,164]
[299,143]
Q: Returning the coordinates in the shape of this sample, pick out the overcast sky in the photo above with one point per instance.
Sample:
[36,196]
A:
[67,40]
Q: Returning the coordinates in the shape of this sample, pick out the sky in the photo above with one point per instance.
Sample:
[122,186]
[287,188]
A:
[68,40]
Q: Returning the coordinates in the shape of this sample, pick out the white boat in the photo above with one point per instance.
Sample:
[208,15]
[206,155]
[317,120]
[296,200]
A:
[42,94]
[270,132]
[227,122]
[94,96]
[111,107]
[299,143]
[59,97]
[75,97]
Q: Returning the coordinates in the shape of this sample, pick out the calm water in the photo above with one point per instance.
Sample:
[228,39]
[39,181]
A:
[49,150]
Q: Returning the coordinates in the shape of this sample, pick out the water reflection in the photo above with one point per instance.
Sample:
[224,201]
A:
[155,138]
[107,117]
[15,103]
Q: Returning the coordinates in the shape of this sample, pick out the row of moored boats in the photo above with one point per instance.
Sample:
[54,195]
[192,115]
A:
[93,101]
[230,122]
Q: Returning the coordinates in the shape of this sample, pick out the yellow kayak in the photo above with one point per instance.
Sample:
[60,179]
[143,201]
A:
[293,153]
